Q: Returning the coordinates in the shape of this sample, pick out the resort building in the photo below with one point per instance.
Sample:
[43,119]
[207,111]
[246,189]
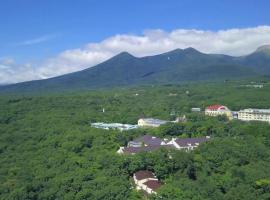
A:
[147,181]
[108,126]
[151,122]
[149,143]
[251,114]
[216,110]
[144,143]
[146,140]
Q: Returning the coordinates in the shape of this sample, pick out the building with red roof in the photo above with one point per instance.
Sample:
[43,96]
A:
[216,110]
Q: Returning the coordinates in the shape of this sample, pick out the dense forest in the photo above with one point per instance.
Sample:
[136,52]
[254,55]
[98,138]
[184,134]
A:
[48,150]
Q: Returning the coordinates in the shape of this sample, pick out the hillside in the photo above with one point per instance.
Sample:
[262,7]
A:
[177,66]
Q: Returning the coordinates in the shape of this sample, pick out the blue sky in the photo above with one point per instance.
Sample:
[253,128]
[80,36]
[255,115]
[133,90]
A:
[35,30]
[70,24]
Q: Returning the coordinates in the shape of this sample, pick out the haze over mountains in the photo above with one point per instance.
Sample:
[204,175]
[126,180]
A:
[177,66]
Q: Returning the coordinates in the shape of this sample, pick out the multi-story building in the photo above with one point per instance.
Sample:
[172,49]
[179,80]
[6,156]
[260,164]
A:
[251,114]
[216,110]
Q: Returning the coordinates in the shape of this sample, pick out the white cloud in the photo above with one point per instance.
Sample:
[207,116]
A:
[10,72]
[234,42]
[41,39]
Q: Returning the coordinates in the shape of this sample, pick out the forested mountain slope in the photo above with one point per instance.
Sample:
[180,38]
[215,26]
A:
[177,66]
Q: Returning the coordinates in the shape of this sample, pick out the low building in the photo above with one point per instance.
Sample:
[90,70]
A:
[107,126]
[216,110]
[149,143]
[144,143]
[251,114]
[195,109]
[151,122]
[147,181]
[147,140]
[254,85]
[235,114]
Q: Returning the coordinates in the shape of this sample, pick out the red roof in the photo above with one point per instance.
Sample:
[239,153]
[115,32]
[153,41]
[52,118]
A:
[143,174]
[214,107]
[153,184]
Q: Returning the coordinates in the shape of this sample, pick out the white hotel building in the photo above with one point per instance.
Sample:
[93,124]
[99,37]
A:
[251,114]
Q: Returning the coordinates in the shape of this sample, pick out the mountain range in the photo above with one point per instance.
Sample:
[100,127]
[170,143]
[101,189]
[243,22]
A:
[177,66]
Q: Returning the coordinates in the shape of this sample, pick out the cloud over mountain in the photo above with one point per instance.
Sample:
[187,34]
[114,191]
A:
[234,42]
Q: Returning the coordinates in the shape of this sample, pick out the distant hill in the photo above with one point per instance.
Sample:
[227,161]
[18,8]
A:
[258,61]
[177,66]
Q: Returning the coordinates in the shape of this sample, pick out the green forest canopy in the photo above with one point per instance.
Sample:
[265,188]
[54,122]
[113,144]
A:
[48,149]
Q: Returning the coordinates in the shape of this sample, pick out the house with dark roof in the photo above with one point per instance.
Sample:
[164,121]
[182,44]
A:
[144,143]
[151,186]
[147,181]
[148,143]
[146,140]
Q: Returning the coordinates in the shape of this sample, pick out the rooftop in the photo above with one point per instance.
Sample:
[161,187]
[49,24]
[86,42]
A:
[153,184]
[154,121]
[215,107]
[149,140]
[143,174]
[252,110]
[150,143]
[113,126]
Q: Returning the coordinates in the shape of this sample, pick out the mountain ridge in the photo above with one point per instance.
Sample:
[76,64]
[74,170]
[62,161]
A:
[176,66]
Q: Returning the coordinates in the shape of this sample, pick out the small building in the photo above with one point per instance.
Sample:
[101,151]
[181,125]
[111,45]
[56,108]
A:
[107,126]
[235,114]
[252,114]
[152,186]
[254,86]
[147,181]
[151,122]
[195,109]
[216,110]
